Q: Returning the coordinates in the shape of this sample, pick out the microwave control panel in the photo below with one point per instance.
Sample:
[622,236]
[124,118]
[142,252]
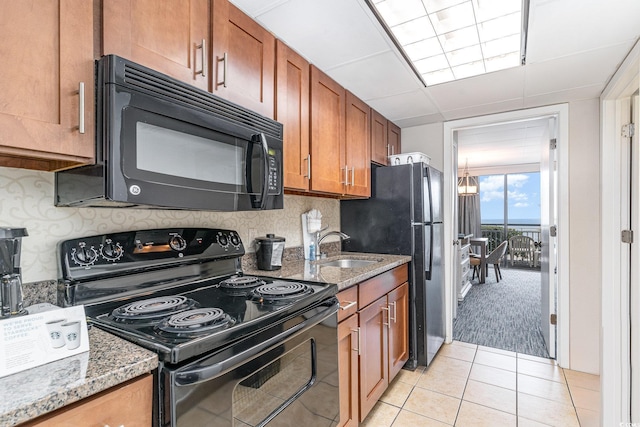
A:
[274,176]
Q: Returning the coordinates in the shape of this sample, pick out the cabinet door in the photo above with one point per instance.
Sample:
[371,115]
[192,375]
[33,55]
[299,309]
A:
[398,329]
[374,358]
[393,138]
[348,370]
[292,110]
[357,147]
[126,405]
[168,36]
[47,51]
[243,59]
[379,149]
[327,133]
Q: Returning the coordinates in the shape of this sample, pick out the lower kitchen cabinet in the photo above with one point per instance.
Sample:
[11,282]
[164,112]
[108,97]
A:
[373,342]
[127,405]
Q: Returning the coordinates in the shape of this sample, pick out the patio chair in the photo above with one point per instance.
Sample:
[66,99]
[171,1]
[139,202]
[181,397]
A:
[522,247]
[495,257]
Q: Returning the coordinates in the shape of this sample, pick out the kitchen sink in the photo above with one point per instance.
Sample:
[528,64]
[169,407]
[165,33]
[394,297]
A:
[348,263]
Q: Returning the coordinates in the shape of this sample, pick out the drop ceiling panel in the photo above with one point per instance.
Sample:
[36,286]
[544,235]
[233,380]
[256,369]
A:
[563,27]
[481,110]
[587,92]
[376,76]
[486,89]
[404,106]
[328,33]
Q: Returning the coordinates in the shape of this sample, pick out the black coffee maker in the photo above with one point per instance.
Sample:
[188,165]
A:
[10,273]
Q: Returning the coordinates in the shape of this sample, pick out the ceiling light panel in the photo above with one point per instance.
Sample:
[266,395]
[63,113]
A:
[451,39]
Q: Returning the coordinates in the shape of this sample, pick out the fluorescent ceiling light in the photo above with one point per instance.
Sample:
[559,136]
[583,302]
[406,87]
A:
[446,40]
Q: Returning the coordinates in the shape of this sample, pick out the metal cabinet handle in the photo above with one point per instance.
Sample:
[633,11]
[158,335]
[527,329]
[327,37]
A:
[388,150]
[203,53]
[308,159]
[388,310]
[349,305]
[81,108]
[353,176]
[357,331]
[346,176]
[395,313]
[224,61]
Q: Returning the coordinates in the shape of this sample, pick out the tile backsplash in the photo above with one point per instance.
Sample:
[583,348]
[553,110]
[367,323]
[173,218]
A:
[26,200]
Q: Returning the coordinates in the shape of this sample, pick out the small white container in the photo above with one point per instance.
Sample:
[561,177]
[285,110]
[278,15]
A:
[408,158]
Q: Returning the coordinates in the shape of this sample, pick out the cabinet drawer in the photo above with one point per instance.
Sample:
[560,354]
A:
[372,289]
[464,267]
[348,299]
[464,254]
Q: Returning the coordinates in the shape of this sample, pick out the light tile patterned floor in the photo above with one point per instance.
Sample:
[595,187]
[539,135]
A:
[476,386]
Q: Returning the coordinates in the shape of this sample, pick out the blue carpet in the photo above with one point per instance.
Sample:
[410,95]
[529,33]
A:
[503,315]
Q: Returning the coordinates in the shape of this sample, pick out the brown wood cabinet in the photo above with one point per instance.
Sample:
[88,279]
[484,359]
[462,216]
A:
[393,138]
[327,133]
[379,148]
[377,335]
[243,59]
[292,110]
[128,405]
[47,55]
[357,147]
[172,37]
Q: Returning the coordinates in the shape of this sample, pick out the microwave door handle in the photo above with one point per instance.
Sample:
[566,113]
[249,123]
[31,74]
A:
[265,186]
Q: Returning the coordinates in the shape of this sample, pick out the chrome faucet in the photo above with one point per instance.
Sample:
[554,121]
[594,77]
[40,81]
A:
[319,239]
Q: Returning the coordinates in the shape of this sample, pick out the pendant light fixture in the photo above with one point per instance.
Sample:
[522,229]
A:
[467,185]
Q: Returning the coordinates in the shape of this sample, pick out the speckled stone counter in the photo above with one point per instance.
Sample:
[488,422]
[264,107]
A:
[316,271]
[109,362]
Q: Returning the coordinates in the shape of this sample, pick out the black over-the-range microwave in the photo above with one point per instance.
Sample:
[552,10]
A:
[161,143]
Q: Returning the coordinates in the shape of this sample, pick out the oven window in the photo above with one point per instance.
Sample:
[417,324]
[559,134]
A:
[170,152]
[265,392]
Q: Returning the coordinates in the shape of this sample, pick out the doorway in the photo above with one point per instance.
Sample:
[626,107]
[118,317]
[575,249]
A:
[559,217]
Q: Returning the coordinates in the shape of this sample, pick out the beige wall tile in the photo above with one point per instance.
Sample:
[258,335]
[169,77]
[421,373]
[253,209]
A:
[495,376]
[472,415]
[433,405]
[546,411]
[491,396]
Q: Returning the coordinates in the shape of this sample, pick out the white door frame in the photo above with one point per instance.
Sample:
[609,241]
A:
[615,372]
[561,111]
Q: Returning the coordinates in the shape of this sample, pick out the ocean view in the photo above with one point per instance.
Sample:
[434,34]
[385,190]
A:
[516,221]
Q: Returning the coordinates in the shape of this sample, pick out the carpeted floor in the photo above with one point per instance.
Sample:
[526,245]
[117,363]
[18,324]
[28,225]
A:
[503,315]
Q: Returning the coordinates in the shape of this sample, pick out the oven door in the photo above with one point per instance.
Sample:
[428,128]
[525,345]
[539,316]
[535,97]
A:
[286,375]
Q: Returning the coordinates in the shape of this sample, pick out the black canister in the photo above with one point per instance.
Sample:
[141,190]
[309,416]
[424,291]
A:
[269,251]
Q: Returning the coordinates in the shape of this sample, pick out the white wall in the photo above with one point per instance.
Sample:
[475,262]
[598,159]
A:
[584,237]
[425,139]
[26,200]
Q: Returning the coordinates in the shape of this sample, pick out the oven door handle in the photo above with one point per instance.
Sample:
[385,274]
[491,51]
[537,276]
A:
[200,373]
[265,182]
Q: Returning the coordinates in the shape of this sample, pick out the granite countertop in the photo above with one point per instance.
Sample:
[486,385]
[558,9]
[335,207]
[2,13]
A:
[315,271]
[37,391]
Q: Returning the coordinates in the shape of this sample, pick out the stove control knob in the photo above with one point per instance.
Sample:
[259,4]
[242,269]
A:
[83,255]
[235,240]
[111,251]
[223,240]
[177,243]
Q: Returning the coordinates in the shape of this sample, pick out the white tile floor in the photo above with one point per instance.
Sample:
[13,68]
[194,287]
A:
[472,386]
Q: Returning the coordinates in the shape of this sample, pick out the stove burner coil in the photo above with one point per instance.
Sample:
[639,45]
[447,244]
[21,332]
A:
[241,282]
[279,291]
[153,308]
[195,321]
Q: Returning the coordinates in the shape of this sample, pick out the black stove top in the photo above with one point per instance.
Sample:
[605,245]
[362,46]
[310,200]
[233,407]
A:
[179,299]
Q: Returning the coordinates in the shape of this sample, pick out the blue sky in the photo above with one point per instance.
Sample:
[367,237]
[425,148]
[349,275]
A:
[523,196]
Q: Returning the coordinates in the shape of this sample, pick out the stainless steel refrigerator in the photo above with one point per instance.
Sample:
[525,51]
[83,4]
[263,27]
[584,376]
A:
[404,217]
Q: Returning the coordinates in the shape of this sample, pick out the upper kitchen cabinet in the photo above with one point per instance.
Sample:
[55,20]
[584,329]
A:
[393,138]
[379,146]
[168,36]
[357,147]
[46,84]
[292,110]
[327,134]
[243,59]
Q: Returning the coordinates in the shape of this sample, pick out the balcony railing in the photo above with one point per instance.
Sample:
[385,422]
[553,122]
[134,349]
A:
[496,233]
